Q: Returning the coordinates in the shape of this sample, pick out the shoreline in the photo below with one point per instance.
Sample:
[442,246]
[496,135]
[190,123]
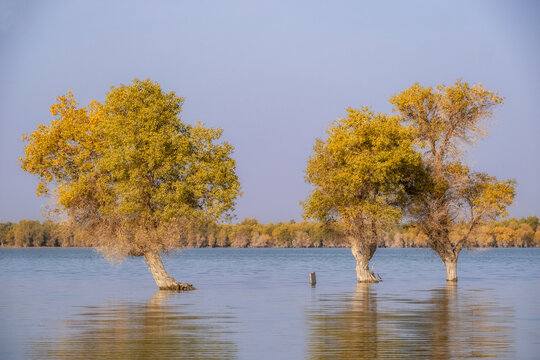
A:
[476,248]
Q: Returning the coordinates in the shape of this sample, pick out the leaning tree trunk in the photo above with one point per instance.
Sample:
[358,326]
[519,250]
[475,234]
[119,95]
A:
[163,280]
[362,265]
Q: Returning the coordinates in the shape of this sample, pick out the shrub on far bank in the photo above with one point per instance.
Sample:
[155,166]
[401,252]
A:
[513,232]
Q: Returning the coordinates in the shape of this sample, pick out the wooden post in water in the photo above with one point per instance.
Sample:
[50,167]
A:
[312,279]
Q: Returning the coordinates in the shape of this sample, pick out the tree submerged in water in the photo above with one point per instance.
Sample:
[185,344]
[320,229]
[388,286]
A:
[445,119]
[374,169]
[363,174]
[130,173]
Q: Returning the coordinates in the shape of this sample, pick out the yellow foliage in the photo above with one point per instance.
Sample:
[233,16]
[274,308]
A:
[130,167]
[444,119]
[362,172]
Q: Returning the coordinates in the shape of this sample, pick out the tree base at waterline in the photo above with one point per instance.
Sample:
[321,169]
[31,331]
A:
[365,276]
[163,280]
[369,280]
[177,286]
[451,270]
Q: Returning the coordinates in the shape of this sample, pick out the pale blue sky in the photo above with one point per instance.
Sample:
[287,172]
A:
[273,75]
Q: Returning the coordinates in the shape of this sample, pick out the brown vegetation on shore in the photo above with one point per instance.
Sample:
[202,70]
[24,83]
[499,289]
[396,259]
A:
[523,232]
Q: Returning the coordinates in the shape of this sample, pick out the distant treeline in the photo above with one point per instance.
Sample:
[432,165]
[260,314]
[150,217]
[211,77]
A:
[522,232]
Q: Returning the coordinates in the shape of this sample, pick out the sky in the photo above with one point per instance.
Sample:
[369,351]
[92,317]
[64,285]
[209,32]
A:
[273,75]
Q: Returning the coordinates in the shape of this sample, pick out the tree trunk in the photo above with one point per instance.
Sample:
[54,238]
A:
[451,269]
[163,280]
[362,267]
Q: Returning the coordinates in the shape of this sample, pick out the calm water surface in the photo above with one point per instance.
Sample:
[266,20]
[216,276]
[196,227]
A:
[257,304]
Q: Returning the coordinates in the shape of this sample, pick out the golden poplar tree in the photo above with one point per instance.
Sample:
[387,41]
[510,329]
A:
[362,176]
[445,120]
[131,173]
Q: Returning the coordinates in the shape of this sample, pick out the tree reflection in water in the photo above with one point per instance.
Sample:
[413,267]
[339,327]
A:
[448,325]
[153,330]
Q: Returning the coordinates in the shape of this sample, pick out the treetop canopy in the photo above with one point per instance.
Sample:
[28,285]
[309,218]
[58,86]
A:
[131,160]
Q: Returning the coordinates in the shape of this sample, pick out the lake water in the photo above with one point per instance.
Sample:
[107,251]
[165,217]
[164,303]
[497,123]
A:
[257,304]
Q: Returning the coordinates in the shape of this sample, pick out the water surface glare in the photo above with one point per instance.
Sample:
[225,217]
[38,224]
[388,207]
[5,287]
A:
[257,304]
